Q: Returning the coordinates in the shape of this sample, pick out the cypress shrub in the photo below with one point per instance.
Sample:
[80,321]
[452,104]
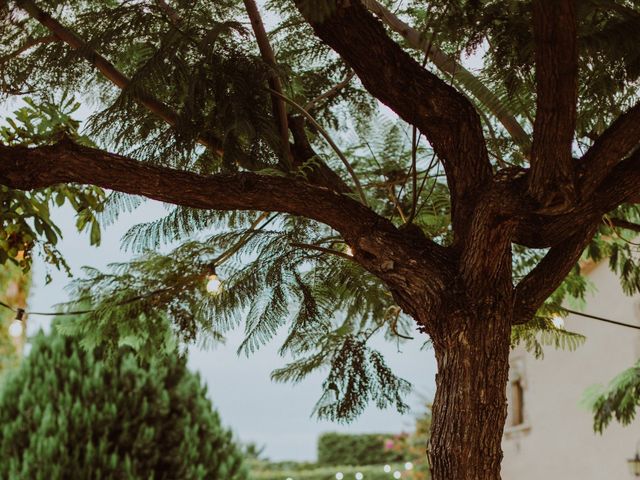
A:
[69,413]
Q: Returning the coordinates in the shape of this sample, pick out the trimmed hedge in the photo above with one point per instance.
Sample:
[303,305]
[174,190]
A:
[369,472]
[360,449]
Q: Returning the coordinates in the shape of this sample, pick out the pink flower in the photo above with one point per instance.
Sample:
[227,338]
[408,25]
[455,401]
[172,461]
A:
[388,444]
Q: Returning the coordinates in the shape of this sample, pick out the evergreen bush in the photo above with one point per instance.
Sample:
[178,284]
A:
[71,413]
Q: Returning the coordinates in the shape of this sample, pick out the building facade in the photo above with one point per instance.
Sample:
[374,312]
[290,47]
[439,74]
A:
[549,433]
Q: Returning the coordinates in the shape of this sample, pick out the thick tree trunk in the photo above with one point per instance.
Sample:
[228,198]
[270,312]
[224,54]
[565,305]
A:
[469,409]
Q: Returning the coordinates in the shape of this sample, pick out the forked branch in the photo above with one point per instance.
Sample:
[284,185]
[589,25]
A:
[447,119]
[448,65]
[543,280]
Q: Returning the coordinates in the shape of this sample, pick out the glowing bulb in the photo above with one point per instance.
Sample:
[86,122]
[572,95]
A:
[16,328]
[558,322]
[387,468]
[359,476]
[397,474]
[408,466]
[214,285]
[339,476]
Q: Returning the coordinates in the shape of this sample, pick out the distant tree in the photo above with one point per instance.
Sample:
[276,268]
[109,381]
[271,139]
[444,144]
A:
[67,413]
[467,217]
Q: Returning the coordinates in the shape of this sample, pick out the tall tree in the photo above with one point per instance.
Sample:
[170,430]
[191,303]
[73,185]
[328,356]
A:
[468,216]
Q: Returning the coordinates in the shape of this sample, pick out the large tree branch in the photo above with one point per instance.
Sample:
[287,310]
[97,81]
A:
[622,185]
[543,280]
[443,115]
[66,162]
[551,180]
[377,244]
[319,173]
[448,65]
[618,141]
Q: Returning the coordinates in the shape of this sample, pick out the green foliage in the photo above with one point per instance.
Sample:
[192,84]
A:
[369,472]
[356,449]
[541,332]
[27,225]
[66,413]
[618,401]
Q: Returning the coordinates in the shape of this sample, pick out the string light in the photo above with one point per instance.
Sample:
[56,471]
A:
[359,476]
[408,466]
[387,468]
[214,285]
[17,326]
[339,476]
[397,474]
[558,322]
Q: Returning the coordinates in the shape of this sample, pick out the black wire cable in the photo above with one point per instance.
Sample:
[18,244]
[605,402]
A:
[162,290]
[602,319]
[21,312]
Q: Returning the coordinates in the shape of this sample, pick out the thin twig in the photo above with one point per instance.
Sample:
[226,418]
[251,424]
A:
[253,229]
[628,226]
[414,174]
[333,91]
[30,43]
[396,203]
[327,137]
[321,249]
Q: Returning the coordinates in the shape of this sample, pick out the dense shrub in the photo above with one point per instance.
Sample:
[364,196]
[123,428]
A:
[68,413]
[360,449]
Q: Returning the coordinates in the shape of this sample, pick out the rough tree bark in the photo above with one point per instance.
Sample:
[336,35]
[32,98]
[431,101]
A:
[469,408]
[461,295]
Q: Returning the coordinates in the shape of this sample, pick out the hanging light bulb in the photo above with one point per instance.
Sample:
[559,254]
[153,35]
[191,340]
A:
[558,322]
[214,285]
[17,326]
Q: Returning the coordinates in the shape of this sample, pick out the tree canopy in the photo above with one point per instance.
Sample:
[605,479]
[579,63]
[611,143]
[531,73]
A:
[468,208]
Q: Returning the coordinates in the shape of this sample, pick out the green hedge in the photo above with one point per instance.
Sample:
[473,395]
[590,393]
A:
[369,472]
[361,449]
